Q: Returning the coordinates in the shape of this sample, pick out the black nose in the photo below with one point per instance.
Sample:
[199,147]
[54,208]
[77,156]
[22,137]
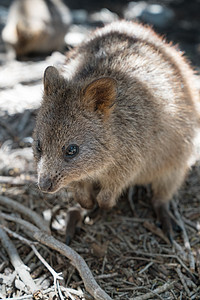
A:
[45,184]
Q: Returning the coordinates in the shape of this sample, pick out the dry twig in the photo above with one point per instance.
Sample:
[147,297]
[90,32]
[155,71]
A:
[34,217]
[78,262]
[185,236]
[167,256]
[161,289]
[56,275]
[17,263]
[178,270]
[191,224]
[154,229]
[179,250]
[90,284]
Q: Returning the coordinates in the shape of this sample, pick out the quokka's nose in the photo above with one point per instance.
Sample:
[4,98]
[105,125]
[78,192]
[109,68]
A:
[45,184]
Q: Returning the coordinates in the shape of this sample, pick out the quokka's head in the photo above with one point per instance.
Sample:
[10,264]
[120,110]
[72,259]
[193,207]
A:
[72,136]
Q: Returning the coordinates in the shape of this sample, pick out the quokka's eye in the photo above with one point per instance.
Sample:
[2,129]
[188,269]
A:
[71,151]
[38,146]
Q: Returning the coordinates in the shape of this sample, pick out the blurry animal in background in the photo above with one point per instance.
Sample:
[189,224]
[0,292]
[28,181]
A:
[37,26]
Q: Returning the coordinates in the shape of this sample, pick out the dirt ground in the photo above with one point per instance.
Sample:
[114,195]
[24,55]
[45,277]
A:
[127,253]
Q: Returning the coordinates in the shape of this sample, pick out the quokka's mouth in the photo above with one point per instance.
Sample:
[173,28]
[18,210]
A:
[50,191]
[46,185]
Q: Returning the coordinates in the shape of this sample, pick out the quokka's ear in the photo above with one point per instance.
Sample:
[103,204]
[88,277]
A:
[51,80]
[100,94]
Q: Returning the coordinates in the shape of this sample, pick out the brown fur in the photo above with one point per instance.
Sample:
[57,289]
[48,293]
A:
[128,100]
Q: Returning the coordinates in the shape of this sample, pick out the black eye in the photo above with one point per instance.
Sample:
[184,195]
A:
[71,151]
[38,146]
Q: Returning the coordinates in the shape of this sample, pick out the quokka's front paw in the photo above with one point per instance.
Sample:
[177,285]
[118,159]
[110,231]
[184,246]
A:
[106,199]
[85,203]
[85,200]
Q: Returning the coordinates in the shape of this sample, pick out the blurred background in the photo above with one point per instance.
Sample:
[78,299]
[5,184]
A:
[179,20]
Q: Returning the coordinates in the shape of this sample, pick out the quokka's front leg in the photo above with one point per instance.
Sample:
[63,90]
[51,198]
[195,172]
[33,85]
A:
[84,193]
[110,190]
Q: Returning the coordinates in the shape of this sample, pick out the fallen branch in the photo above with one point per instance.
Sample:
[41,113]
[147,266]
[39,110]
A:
[161,289]
[178,270]
[153,255]
[56,276]
[146,267]
[102,276]
[185,236]
[155,230]
[33,216]
[67,291]
[77,261]
[179,250]
[191,224]
[17,263]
